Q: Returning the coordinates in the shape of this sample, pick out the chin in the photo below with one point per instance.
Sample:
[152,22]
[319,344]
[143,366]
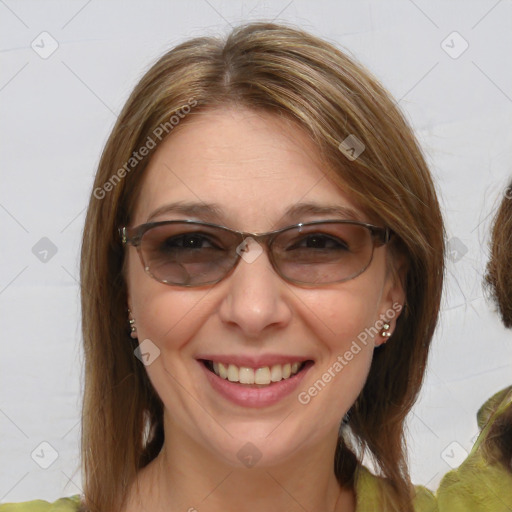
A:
[262,444]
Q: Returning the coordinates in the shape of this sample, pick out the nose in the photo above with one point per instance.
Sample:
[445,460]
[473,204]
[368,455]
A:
[255,297]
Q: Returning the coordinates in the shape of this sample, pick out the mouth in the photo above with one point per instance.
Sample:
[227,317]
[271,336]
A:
[261,377]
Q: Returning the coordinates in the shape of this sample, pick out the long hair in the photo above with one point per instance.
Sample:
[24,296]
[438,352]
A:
[290,73]
[498,277]
[498,280]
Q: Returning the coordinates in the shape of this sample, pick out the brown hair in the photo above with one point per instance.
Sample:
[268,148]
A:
[290,73]
[499,269]
[498,279]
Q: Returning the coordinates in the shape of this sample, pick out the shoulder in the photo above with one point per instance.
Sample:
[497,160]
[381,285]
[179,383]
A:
[476,484]
[491,409]
[372,491]
[70,504]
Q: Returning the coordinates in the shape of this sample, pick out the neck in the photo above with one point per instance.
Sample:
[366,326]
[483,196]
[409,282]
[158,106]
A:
[186,477]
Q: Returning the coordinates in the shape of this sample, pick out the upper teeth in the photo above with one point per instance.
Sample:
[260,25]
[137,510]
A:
[264,375]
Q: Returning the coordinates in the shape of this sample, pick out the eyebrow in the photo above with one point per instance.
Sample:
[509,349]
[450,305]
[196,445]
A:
[206,211]
[212,212]
[343,212]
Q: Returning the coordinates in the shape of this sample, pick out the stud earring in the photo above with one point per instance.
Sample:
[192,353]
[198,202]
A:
[133,329]
[385,331]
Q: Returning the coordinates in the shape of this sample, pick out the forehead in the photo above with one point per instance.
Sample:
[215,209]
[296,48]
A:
[252,166]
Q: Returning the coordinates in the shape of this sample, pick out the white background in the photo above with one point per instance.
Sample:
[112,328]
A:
[56,114]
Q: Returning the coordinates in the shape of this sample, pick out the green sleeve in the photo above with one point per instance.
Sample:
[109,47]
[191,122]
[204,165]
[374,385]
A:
[71,504]
[477,485]
[424,501]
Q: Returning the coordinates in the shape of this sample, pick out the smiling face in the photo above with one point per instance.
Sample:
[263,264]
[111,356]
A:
[254,168]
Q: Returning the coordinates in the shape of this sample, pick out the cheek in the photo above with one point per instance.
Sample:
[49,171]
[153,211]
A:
[340,316]
[163,314]
[339,377]
[167,317]
[343,321]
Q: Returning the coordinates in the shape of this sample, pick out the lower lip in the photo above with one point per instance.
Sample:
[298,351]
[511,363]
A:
[245,396]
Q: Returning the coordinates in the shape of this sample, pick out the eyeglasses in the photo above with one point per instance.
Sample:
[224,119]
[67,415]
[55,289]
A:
[190,253]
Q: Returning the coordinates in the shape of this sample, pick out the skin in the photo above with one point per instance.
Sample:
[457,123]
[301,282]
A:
[254,166]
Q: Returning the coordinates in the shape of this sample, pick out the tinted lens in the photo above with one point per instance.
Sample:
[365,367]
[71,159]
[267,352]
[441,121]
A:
[323,253]
[187,254]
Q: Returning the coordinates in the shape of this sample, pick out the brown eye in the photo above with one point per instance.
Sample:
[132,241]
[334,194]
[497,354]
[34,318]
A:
[187,241]
[320,241]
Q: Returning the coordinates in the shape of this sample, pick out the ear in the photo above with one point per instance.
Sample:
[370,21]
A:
[393,294]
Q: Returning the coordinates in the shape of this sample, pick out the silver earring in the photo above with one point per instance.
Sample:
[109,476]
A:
[385,331]
[133,329]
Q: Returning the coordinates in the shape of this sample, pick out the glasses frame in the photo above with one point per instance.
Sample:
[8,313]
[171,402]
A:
[133,236]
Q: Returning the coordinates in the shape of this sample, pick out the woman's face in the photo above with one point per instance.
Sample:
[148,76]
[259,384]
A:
[254,167]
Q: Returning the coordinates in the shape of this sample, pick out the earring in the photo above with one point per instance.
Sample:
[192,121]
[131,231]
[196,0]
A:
[133,329]
[385,331]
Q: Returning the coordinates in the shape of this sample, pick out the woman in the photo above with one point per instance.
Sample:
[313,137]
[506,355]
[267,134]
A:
[483,482]
[227,368]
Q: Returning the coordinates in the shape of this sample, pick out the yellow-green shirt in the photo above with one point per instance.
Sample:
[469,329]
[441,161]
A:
[476,485]
[368,490]
[63,505]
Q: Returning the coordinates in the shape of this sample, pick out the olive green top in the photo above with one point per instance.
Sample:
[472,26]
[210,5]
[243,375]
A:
[476,485]
[368,489]
[62,505]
